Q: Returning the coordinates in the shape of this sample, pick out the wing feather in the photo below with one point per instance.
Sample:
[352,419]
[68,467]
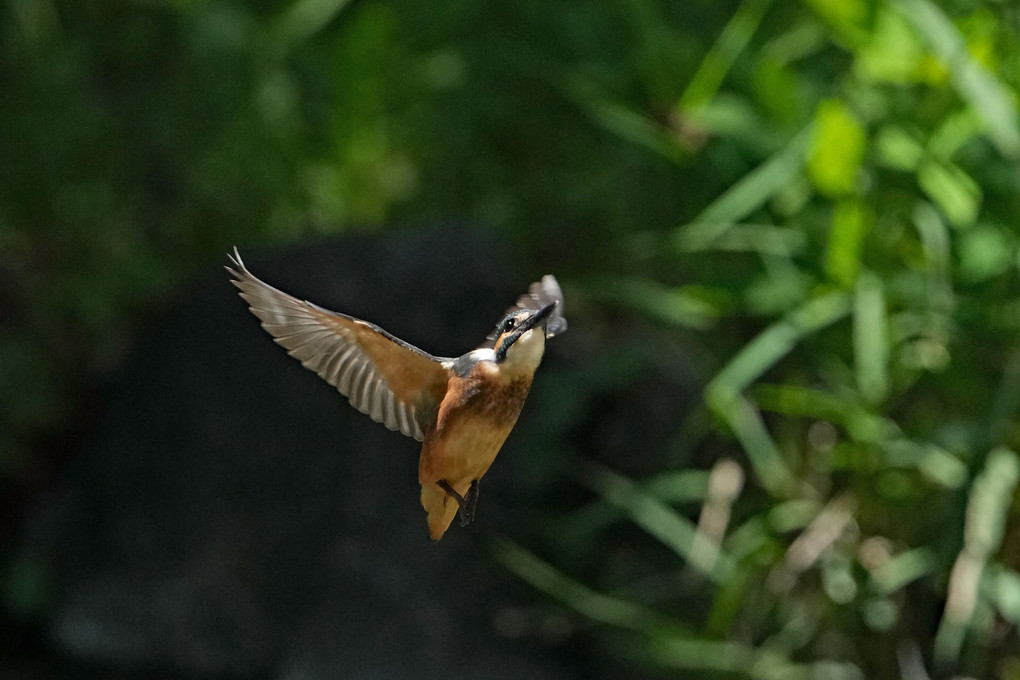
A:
[391,381]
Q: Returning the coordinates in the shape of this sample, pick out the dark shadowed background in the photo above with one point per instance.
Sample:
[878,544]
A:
[778,441]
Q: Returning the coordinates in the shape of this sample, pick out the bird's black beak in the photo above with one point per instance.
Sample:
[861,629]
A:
[539,317]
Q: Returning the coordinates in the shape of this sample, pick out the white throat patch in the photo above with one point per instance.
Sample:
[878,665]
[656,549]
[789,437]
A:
[526,354]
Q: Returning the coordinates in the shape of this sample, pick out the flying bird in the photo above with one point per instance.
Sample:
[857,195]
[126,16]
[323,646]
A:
[462,409]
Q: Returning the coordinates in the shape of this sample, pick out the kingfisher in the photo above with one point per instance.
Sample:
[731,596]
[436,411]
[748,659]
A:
[462,409]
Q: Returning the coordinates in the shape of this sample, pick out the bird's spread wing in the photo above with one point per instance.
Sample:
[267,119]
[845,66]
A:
[393,382]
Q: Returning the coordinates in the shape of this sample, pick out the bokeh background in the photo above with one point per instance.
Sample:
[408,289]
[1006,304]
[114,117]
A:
[783,422]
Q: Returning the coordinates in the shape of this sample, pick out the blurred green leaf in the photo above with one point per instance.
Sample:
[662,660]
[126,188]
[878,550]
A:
[846,17]
[986,252]
[722,393]
[898,149]
[732,40]
[757,238]
[954,133]
[935,241]
[902,570]
[658,519]
[871,338]
[771,345]
[792,400]
[761,663]
[673,488]
[305,18]
[776,81]
[893,52]
[772,470]
[679,487]
[792,515]
[990,499]
[881,614]
[778,291]
[748,194]
[682,306]
[851,222]
[837,148]
[956,193]
[934,462]
[1006,594]
[596,606]
[635,127]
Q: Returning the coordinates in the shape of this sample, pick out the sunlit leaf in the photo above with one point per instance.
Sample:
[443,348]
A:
[898,149]
[953,190]
[847,17]
[837,148]
[893,52]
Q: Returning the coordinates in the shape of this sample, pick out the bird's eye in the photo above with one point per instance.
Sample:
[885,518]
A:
[509,324]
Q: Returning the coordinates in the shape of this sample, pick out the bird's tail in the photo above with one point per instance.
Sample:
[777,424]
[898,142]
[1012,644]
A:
[440,507]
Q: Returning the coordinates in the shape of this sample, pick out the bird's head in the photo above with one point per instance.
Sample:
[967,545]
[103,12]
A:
[520,337]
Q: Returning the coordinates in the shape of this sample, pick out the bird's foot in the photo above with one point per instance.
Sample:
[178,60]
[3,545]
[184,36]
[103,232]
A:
[466,504]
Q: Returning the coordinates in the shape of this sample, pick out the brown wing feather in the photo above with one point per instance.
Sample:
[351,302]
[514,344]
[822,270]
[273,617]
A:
[392,381]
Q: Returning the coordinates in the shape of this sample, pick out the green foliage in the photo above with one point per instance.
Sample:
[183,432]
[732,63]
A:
[868,396]
[817,201]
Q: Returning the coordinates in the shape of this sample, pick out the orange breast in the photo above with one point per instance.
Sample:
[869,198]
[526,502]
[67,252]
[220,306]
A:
[474,420]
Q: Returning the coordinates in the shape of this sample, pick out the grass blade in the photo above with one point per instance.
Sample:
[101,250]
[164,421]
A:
[749,193]
[870,336]
[717,63]
[582,599]
[675,531]
[773,344]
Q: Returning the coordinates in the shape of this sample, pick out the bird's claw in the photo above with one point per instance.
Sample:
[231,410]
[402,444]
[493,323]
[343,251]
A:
[466,504]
